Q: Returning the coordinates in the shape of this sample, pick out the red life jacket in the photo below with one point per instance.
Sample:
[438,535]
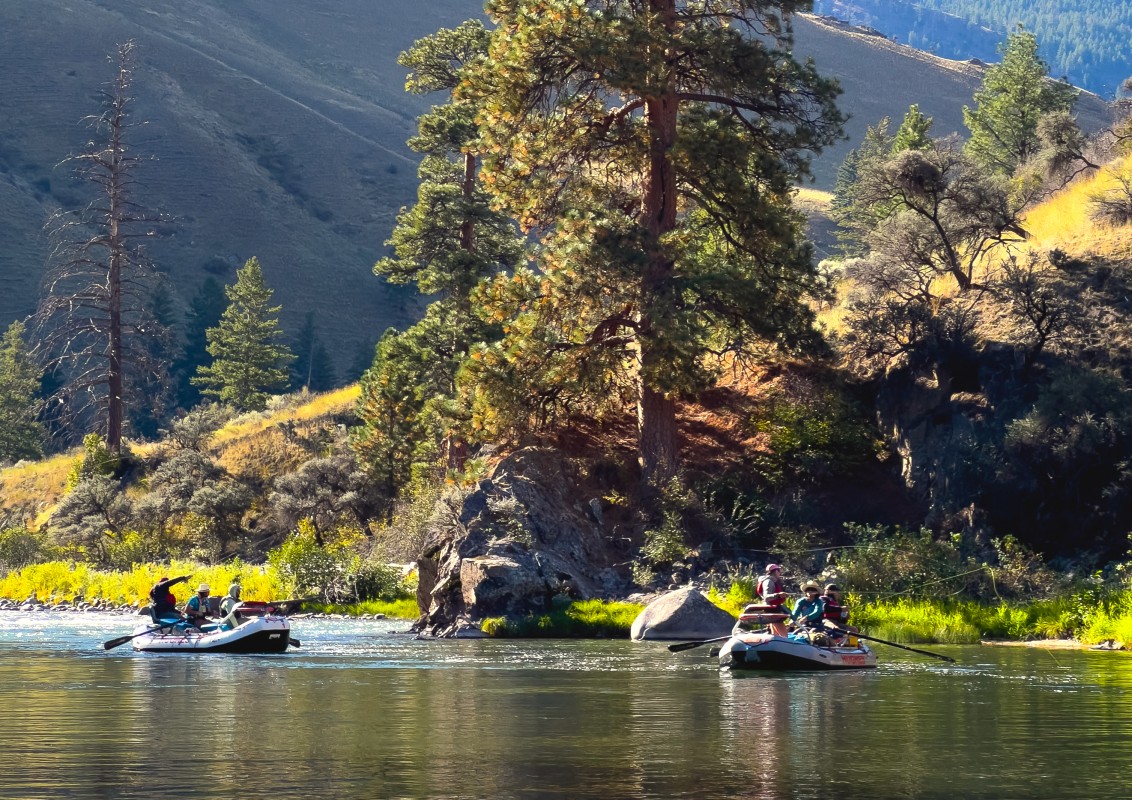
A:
[769,585]
[834,612]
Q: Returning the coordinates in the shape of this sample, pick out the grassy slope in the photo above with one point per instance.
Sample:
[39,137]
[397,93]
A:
[254,446]
[1063,222]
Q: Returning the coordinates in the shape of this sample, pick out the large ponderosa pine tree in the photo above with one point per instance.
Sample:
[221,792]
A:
[653,146]
[446,244]
[248,362]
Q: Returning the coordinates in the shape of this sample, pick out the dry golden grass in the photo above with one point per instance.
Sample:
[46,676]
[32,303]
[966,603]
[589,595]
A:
[1063,222]
[255,446]
[31,490]
[812,200]
[339,401]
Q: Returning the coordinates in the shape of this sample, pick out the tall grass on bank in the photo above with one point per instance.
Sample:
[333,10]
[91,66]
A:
[60,580]
[402,608]
[582,619]
[966,622]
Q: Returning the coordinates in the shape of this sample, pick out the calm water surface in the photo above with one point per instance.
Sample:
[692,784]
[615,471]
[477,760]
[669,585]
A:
[362,711]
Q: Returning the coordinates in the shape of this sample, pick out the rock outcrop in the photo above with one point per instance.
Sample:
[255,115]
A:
[682,614]
[524,536]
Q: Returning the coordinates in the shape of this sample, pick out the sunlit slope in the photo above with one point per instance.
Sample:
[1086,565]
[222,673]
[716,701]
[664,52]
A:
[1064,222]
[257,446]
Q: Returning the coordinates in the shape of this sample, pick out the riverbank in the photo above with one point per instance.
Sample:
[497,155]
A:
[1056,644]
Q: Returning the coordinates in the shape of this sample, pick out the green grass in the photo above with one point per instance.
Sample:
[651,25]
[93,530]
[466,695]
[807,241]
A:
[966,621]
[582,619]
[401,608]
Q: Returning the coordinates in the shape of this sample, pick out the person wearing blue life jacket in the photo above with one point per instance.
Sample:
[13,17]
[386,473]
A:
[808,611]
[196,610]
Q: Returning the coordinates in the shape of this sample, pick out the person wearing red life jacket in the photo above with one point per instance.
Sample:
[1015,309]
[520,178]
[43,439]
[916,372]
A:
[163,603]
[836,614]
[771,590]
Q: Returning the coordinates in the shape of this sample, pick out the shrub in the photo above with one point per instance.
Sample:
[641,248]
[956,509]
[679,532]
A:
[96,461]
[578,619]
[20,547]
[371,579]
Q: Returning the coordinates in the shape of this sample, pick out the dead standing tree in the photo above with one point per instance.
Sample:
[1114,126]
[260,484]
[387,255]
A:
[92,325]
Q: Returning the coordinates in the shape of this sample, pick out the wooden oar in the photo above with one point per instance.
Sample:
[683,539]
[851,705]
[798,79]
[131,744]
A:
[949,659]
[676,648]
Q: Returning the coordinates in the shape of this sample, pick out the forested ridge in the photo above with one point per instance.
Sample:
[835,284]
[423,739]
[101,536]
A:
[1085,41]
[628,338]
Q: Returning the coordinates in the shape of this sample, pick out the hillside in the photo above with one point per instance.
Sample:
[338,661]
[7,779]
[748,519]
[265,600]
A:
[1084,40]
[279,131]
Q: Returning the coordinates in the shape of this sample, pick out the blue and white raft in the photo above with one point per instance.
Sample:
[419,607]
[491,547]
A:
[797,651]
[262,634]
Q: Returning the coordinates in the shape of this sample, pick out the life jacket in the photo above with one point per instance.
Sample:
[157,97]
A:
[768,585]
[197,606]
[164,603]
[834,612]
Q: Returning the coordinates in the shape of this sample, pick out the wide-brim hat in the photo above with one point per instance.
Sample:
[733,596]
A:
[810,585]
[203,588]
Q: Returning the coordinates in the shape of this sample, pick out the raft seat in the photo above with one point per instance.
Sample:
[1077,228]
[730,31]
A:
[757,614]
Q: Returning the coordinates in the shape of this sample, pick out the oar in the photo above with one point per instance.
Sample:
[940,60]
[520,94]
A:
[110,645]
[677,648]
[892,644]
[294,642]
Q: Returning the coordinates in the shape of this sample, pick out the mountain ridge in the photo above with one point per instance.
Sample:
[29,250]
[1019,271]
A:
[279,130]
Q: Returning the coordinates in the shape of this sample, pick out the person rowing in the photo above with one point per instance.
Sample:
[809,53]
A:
[163,604]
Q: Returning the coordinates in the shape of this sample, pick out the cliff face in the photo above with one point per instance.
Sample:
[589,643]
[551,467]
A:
[525,535]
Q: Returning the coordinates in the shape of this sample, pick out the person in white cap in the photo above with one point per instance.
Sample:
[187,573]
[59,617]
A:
[196,610]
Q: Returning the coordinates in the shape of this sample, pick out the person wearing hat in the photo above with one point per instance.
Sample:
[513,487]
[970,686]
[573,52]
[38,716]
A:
[196,610]
[770,589]
[808,611]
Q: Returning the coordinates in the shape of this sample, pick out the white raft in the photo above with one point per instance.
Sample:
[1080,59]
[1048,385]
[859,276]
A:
[266,634]
[765,651]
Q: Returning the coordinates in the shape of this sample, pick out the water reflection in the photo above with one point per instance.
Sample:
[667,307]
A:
[360,711]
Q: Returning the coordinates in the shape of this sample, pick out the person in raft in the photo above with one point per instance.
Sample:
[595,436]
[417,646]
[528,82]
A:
[771,590]
[162,603]
[836,614]
[809,611]
[196,610]
[228,605]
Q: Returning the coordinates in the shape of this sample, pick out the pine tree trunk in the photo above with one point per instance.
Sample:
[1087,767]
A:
[656,412]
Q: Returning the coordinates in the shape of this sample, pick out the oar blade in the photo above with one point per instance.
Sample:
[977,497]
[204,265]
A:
[294,642]
[110,645]
[682,646]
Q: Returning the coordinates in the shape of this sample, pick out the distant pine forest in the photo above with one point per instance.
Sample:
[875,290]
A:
[1085,41]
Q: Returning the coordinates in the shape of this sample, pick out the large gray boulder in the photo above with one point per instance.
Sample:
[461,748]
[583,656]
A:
[522,538]
[682,614]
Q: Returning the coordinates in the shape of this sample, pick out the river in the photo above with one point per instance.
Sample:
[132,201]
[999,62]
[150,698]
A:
[362,711]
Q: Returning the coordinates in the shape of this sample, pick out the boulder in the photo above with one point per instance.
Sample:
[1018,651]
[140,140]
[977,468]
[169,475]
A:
[520,539]
[682,614]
